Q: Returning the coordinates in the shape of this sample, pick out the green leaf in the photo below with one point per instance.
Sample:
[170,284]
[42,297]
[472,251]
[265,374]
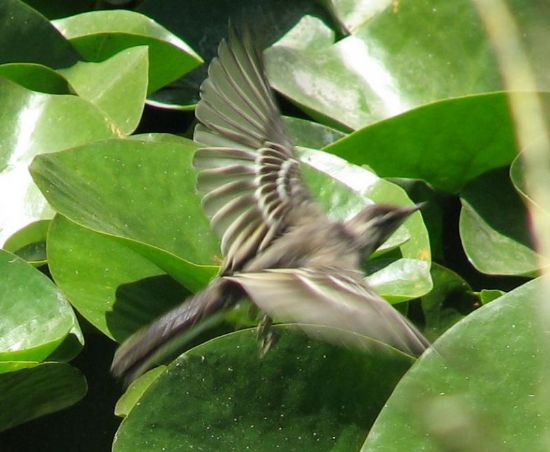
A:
[38,389]
[35,77]
[116,86]
[396,59]
[27,36]
[115,288]
[427,144]
[488,295]
[402,280]
[29,243]
[152,201]
[36,317]
[493,227]
[309,134]
[449,301]
[303,395]
[99,35]
[136,389]
[26,130]
[482,390]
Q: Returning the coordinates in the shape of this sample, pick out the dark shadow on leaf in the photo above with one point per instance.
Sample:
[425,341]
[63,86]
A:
[140,302]
[494,198]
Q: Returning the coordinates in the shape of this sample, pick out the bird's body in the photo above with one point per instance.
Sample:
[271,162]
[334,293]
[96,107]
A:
[280,249]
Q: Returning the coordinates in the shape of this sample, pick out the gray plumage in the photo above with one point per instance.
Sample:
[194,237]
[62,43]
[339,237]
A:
[279,248]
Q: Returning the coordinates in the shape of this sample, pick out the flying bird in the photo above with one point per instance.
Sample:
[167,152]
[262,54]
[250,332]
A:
[280,249]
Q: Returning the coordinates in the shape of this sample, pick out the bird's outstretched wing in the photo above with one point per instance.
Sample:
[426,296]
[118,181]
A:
[330,298]
[248,174]
[151,345]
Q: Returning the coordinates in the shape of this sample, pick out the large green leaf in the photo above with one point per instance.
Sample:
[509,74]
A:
[99,35]
[144,191]
[36,317]
[427,144]
[396,61]
[27,36]
[493,227]
[116,86]
[30,124]
[484,388]
[303,395]
[37,389]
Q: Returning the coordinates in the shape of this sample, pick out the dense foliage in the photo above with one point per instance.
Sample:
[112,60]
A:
[102,228]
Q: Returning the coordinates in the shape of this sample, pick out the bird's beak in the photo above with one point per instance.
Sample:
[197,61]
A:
[406,211]
[420,205]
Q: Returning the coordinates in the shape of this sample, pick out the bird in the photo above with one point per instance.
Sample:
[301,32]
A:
[280,249]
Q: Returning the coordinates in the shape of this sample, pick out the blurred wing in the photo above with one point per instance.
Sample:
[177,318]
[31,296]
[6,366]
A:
[249,174]
[342,301]
[152,344]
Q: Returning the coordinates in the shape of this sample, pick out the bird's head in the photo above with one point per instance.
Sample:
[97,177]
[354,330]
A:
[375,223]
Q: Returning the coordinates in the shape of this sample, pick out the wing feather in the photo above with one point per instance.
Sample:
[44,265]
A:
[324,298]
[248,174]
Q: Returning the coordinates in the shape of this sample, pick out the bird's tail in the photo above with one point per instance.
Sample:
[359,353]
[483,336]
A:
[152,344]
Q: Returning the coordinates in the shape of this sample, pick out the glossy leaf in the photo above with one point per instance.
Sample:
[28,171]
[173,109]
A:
[98,35]
[29,243]
[116,86]
[35,77]
[36,317]
[402,280]
[496,239]
[480,391]
[38,389]
[376,72]
[303,394]
[426,143]
[26,130]
[27,36]
[203,23]
[309,134]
